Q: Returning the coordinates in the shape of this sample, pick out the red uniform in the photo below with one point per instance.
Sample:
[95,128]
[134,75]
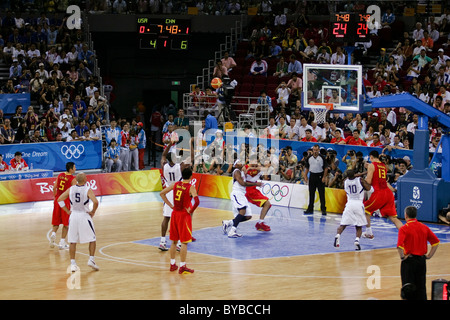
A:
[350,140]
[312,139]
[3,166]
[63,182]
[181,220]
[18,165]
[382,198]
[252,194]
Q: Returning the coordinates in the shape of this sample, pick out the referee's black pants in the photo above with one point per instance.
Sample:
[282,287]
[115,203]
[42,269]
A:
[315,183]
[413,270]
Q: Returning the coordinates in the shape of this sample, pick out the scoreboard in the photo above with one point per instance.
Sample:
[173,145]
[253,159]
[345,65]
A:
[163,33]
[350,27]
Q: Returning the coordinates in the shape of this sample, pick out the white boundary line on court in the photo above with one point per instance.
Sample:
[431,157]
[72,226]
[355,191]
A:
[163,265]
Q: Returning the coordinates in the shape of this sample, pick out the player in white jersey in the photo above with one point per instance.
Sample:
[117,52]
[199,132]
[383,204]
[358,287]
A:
[81,226]
[354,213]
[171,174]
[241,206]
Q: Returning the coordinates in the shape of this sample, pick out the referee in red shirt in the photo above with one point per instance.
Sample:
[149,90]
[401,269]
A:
[412,246]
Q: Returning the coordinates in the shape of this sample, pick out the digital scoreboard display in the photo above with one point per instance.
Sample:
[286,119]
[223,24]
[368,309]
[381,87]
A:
[163,33]
[350,27]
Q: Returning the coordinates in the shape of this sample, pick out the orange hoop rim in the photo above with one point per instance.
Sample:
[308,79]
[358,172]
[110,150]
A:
[328,106]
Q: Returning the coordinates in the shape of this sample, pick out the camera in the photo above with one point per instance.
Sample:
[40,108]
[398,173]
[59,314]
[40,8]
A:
[440,289]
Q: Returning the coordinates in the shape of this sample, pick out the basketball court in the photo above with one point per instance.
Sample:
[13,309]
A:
[295,261]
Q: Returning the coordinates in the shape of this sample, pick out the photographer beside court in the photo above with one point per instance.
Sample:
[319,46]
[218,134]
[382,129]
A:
[350,160]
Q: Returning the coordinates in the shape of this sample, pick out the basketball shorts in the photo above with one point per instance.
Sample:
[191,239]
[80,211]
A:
[181,226]
[59,215]
[383,200]
[81,228]
[354,214]
[167,211]
[255,196]
[239,201]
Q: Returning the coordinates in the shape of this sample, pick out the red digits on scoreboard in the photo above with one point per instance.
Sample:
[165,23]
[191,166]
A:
[340,30]
[362,29]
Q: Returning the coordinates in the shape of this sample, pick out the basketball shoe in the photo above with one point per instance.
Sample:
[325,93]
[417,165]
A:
[261,226]
[185,270]
[162,246]
[225,225]
[73,268]
[63,245]
[368,235]
[52,240]
[173,267]
[357,245]
[336,241]
[91,263]
[233,234]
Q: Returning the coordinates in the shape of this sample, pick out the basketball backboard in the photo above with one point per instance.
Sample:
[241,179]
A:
[331,83]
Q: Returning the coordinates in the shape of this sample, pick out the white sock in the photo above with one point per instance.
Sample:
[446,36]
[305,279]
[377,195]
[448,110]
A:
[261,220]
[62,241]
[53,234]
[338,235]
[72,262]
[369,230]
[91,258]
[357,239]
[163,239]
[172,261]
[182,264]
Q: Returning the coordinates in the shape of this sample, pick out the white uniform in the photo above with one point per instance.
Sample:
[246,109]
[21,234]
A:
[354,213]
[171,175]
[81,226]
[238,197]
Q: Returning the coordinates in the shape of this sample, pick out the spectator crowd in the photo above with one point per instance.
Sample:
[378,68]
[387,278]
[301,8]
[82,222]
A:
[55,66]
[270,63]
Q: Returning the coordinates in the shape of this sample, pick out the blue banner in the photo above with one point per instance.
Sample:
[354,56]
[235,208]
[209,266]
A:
[55,155]
[298,147]
[9,102]
[30,174]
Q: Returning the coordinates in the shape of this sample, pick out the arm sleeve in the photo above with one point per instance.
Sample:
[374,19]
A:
[196,203]
[307,162]
[401,238]
[432,238]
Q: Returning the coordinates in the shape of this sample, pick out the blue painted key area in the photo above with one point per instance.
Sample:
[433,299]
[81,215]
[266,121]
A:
[292,234]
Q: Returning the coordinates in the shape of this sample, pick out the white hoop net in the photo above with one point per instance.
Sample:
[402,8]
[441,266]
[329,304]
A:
[320,114]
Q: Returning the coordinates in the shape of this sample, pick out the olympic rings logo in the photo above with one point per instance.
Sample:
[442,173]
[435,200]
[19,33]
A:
[276,191]
[72,151]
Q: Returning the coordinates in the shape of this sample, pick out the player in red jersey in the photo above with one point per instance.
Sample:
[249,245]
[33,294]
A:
[63,182]
[181,220]
[253,195]
[382,198]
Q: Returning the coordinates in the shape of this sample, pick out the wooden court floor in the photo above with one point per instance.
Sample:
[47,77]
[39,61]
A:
[29,269]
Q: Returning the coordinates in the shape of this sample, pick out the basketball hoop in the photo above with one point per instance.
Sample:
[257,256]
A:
[320,111]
